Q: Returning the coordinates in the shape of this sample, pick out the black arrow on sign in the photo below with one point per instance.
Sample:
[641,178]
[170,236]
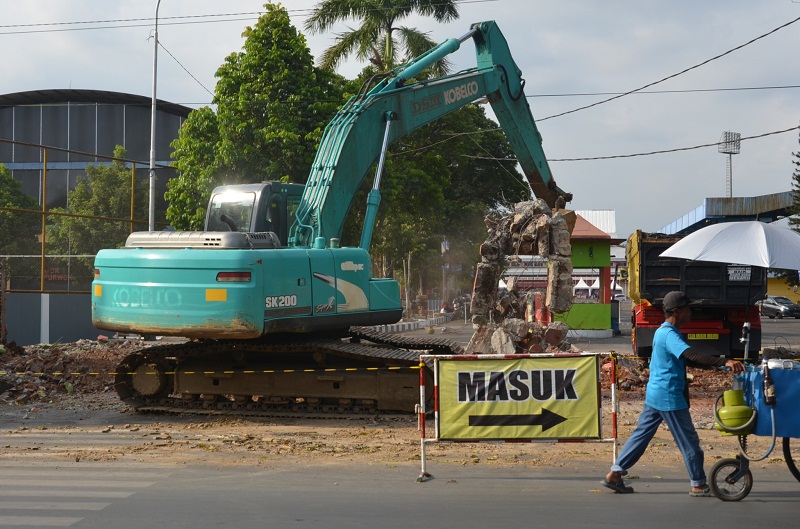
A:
[547,419]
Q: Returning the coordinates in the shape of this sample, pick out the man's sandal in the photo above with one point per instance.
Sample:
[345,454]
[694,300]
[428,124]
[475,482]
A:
[617,486]
[705,493]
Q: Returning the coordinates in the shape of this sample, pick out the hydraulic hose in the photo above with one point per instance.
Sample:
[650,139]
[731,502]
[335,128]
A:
[743,447]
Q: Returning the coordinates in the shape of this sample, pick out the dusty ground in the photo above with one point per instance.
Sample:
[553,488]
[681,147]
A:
[57,401]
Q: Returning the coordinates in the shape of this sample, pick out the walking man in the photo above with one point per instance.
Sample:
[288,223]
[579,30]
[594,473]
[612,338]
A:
[667,399]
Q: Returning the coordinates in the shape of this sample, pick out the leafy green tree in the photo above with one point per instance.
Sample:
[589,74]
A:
[195,154]
[377,38]
[104,191]
[791,276]
[794,220]
[19,229]
[272,107]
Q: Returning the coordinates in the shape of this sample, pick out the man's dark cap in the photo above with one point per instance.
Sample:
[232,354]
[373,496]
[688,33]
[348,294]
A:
[675,300]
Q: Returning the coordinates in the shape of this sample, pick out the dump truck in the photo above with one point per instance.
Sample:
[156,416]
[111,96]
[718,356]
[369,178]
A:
[724,297]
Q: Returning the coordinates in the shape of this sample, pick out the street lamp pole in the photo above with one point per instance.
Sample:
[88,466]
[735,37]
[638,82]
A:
[152,207]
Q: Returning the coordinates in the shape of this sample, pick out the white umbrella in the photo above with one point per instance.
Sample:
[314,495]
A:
[751,243]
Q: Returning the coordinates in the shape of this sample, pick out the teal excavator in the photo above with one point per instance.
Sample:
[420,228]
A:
[277,315]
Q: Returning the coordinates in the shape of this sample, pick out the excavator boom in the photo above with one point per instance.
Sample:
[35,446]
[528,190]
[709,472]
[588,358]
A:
[361,131]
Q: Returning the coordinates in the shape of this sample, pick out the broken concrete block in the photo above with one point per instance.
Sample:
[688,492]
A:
[481,341]
[505,305]
[484,289]
[489,252]
[556,333]
[518,329]
[502,342]
[543,229]
[532,208]
[535,347]
[559,284]
[559,236]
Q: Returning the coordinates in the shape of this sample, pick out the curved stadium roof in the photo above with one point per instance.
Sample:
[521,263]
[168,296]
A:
[44,97]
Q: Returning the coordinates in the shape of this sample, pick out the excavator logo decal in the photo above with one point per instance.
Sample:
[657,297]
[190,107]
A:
[350,266]
[460,92]
[354,297]
[328,307]
[427,103]
[447,97]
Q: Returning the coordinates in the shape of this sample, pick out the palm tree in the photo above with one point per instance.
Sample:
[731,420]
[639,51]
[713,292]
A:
[377,25]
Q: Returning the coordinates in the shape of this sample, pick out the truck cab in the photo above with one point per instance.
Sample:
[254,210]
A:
[724,297]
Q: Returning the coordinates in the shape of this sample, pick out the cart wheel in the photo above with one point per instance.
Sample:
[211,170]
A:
[724,483]
[787,455]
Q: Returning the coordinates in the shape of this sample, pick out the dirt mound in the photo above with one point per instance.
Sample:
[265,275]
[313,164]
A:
[44,372]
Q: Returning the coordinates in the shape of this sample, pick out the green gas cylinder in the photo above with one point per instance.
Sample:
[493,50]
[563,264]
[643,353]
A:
[733,414]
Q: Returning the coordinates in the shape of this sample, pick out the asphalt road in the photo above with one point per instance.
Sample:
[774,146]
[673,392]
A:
[340,495]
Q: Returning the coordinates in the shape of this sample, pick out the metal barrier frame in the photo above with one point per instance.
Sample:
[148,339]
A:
[421,410]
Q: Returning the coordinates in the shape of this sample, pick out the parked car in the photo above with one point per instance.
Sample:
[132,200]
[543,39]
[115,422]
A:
[779,307]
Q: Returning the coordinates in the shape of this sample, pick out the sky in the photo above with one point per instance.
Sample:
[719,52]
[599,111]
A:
[572,54]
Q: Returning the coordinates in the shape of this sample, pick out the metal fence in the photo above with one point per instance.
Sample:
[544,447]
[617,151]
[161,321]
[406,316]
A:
[36,260]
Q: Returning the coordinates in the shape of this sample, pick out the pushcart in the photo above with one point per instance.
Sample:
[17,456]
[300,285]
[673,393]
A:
[731,478]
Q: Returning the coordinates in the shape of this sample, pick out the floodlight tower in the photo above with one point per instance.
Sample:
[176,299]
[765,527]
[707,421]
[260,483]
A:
[729,144]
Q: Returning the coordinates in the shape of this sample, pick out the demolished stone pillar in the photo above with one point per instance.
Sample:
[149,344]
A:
[559,284]
[511,324]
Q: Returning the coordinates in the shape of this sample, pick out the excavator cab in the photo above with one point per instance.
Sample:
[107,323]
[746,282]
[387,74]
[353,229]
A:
[254,208]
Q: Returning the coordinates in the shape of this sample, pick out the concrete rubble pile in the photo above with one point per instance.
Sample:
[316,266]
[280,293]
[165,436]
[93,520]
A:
[507,322]
[47,372]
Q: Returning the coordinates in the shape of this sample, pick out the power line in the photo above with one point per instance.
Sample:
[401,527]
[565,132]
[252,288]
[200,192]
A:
[579,94]
[683,91]
[675,74]
[650,153]
[124,23]
[149,20]
[667,151]
[184,68]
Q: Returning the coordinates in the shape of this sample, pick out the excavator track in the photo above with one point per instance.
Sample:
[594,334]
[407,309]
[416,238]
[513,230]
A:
[366,372]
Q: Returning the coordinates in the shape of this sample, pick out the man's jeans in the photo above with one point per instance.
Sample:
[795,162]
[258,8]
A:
[682,429]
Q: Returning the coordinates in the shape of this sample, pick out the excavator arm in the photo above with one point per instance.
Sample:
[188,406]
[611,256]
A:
[366,125]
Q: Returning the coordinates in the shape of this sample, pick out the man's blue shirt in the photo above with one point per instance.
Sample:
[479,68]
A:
[666,389]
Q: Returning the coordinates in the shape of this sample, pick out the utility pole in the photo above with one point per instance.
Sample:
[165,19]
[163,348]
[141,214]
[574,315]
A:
[151,210]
